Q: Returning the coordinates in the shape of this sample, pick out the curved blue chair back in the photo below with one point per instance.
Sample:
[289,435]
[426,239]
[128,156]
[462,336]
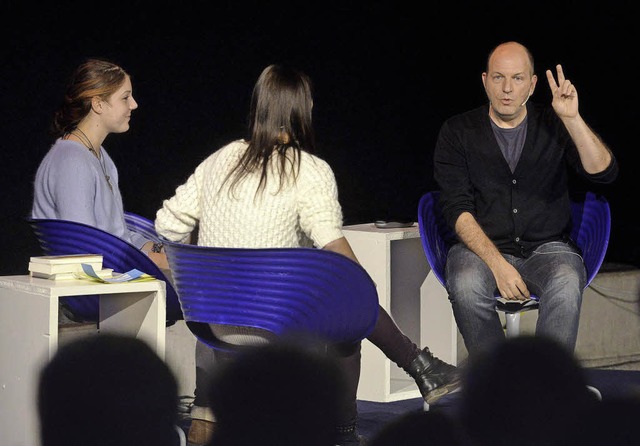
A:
[286,291]
[142,225]
[591,227]
[435,234]
[57,237]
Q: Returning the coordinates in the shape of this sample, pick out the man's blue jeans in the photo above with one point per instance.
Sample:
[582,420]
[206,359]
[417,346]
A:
[554,272]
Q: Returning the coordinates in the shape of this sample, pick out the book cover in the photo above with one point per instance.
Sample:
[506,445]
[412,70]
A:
[133,275]
[102,273]
[75,267]
[65,259]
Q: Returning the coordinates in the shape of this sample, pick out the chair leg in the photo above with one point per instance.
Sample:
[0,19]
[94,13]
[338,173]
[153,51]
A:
[513,324]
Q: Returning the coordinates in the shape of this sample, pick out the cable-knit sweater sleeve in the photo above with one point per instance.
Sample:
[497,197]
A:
[179,215]
[318,206]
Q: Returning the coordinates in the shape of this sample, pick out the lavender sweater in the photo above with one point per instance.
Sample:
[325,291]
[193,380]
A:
[70,184]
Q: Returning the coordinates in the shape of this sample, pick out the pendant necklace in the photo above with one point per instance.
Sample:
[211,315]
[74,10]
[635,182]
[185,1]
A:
[84,139]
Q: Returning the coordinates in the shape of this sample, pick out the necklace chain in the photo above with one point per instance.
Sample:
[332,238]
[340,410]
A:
[84,139]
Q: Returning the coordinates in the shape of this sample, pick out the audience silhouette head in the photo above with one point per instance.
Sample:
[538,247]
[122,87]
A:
[527,390]
[107,390]
[433,428]
[282,393]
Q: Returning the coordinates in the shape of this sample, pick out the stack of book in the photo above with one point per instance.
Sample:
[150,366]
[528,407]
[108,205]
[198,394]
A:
[66,267]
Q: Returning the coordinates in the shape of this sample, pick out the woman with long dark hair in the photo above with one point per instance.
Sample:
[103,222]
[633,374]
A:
[271,191]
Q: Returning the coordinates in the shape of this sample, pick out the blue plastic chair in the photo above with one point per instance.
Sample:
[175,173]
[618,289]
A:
[57,237]
[287,291]
[142,225]
[591,227]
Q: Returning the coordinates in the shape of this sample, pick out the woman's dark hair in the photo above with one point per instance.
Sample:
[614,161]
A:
[280,125]
[92,78]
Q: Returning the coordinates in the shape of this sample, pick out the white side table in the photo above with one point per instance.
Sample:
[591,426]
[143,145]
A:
[29,337]
[396,262]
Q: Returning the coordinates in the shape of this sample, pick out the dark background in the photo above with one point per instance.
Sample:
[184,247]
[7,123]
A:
[386,76]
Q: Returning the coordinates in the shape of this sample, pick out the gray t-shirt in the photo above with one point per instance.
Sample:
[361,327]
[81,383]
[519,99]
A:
[511,141]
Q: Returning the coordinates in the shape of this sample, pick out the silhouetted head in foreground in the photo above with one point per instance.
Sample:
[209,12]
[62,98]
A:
[433,428]
[107,390]
[277,394]
[526,391]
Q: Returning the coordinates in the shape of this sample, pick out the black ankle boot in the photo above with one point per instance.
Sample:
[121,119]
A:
[347,435]
[435,378]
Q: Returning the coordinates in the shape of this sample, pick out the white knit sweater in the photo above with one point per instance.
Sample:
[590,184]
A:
[306,213]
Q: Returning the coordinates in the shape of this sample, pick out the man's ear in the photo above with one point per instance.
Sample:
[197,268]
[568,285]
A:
[534,81]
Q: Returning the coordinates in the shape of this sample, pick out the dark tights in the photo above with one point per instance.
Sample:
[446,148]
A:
[392,342]
[350,366]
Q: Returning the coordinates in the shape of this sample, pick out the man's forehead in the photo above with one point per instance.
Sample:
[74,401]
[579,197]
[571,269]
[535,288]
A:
[510,67]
